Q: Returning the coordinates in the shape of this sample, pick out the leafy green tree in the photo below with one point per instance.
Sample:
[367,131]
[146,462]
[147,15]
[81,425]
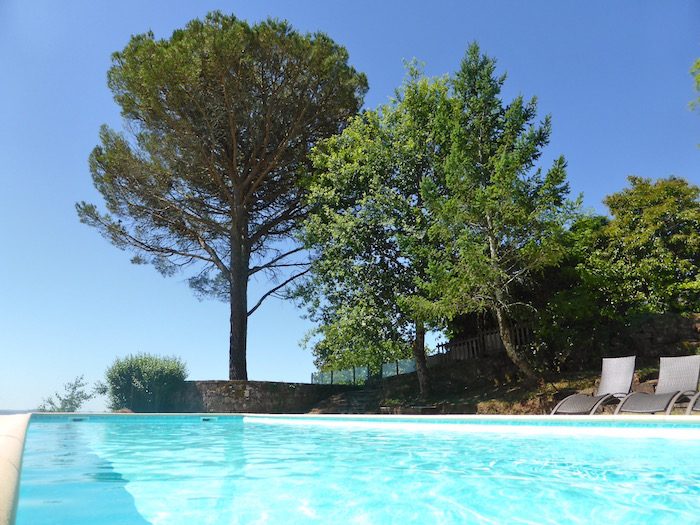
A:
[570,330]
[368,232]
[650,261]
[144,383]
[496,219]
[221,118]
[74,395]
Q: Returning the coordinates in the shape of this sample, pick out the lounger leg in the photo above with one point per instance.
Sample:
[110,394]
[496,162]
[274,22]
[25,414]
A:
[554,410]
[600,403]
[691,404]
[672,403]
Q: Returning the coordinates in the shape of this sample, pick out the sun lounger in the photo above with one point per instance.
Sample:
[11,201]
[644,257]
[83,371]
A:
[615,383]
[678,381]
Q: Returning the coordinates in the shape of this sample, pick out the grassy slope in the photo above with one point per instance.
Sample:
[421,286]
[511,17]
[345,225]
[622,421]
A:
[458,388]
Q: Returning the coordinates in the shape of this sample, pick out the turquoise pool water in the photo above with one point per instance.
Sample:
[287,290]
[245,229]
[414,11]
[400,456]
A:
[183,470]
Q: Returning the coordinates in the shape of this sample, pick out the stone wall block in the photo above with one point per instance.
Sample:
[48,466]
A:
[253,396]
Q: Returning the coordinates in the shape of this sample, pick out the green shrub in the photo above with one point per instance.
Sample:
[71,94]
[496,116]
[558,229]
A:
[145,383]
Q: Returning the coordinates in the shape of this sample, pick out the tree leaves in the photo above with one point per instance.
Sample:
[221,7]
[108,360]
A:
[222,116]
[367,229]
[430,208]
[212,169]
[651,258]
[497,220]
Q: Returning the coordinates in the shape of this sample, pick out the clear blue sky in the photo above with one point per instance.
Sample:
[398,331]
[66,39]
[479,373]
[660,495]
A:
[614,76]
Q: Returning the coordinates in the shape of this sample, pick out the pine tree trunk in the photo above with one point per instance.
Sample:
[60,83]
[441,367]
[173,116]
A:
[239,313]
[419,356]
[506,333]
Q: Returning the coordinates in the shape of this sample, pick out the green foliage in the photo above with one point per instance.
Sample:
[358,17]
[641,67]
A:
[221,119]
[496,219]
[569,328]
[428,209]
[650,261]
[144,383]
[644,260]
[367,230]
[73,396]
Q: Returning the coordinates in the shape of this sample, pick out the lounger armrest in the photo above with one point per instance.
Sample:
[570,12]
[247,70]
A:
[559,404]
[679,395]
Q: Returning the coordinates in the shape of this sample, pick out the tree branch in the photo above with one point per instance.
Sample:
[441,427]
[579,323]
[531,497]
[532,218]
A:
[142,245]
[255,177]
[276,289]
[264,229]
[272,262]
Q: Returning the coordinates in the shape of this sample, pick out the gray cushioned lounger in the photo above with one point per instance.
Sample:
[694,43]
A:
[678,381]
[615,383]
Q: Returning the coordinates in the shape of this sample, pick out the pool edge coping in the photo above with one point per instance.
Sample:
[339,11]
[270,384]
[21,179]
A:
[13,431]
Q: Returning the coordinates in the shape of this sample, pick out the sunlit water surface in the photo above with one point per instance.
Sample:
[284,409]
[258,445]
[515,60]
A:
[182,470]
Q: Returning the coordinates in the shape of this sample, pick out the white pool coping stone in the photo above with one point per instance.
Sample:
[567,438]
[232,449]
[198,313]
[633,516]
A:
[13,430]
[572,426]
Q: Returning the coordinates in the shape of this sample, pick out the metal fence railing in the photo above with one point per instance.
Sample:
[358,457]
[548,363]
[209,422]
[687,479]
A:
[350,376]
[396,368]
[360,375]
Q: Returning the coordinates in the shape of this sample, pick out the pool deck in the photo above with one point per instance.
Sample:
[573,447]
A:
[12,433]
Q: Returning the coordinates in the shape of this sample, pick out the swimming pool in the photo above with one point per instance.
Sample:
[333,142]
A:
[254,469]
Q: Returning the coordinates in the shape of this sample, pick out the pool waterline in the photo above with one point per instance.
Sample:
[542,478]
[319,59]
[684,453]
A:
[603,420]
[624,426]
[641,418]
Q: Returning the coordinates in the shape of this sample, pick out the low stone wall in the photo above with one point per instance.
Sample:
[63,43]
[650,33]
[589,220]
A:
[655,335]
[254,396]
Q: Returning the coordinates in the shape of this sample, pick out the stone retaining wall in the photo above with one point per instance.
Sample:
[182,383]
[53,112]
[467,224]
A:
[655,335]
[254,396]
